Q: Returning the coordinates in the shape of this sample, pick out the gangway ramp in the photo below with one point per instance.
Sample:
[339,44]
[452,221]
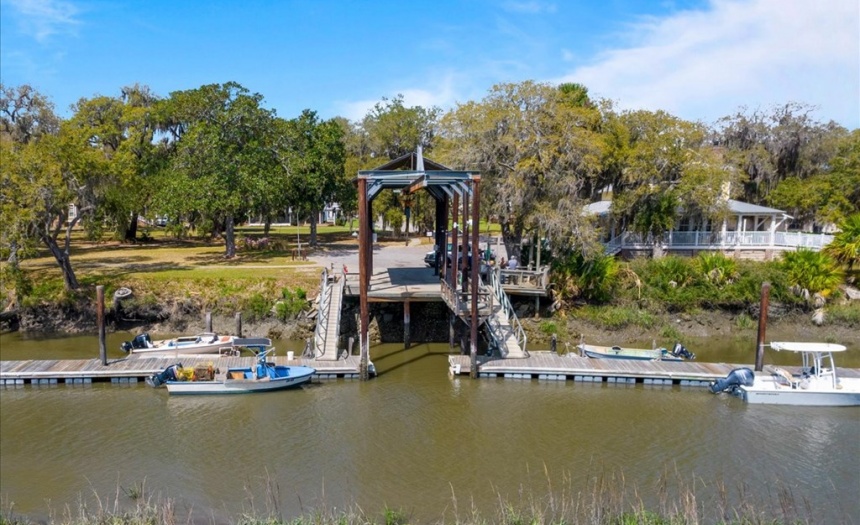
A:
[327,331]
[503,333]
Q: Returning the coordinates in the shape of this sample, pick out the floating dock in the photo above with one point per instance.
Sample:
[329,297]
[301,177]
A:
[137,369]
[549,366]
[544,366]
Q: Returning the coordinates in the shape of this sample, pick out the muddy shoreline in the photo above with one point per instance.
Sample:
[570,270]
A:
[181,317]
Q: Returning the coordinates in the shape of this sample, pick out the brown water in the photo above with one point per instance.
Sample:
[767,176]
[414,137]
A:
[415,439]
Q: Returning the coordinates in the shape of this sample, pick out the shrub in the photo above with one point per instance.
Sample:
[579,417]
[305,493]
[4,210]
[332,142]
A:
[812,272]
[593,279]
[549,327]
[257,307]
[716,269]
[291,304]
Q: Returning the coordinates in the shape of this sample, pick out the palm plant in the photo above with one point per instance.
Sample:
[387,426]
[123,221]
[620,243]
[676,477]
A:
[845,246]
[591,279]
[812,273]
[716,268]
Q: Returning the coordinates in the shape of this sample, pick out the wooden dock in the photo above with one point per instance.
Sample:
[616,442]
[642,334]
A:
[549,366]
[134,369]
[545,366]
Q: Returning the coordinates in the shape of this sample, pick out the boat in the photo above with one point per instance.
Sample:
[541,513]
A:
[678,353]
[817,383]
[265,376]
[202,343]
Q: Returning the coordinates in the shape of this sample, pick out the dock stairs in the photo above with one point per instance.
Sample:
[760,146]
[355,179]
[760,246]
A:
[502,325]
[327,331]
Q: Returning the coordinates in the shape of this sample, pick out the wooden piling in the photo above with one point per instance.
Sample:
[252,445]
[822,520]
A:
[238,324]
[208,322]
[406,342]
[100,320]
[762,326]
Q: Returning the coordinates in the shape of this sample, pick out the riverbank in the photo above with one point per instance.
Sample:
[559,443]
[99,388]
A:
[174,284]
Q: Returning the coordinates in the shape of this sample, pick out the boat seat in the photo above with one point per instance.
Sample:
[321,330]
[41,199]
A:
[787,377]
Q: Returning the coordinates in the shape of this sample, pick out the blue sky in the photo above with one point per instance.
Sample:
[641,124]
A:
[697,59]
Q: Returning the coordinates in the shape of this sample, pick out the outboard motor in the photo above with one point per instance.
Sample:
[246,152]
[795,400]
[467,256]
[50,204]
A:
[140,341]
[736,378]
[681,351]
[169,374]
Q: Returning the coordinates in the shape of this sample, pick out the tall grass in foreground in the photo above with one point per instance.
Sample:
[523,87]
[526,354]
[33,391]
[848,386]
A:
[608,499]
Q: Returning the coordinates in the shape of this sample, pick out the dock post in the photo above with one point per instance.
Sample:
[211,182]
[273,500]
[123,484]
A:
[238,324]
[406,324]
[553,344]
[762,326]
[451,334]
[100,320]
[208,322]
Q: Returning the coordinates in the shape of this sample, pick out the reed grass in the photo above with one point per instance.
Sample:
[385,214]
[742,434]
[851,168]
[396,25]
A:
[608,498]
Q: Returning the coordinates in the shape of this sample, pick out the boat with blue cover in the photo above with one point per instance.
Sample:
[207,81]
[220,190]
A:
[264,376]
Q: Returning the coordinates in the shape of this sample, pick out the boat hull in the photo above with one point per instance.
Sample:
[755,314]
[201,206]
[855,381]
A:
[636,354]
[767,391]
[282,378]
[177,347]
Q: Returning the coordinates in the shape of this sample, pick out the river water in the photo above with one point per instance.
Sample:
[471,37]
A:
[417,440]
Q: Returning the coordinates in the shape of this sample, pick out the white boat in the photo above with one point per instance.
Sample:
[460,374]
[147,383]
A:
[817,384]
[678,353]
[262,377]
[203,343]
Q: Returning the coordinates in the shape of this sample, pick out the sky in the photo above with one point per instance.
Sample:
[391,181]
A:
[697,59]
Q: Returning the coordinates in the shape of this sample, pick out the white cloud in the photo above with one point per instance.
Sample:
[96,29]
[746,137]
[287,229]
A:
[529,6]
[44,18]
[443,96]
[701,65]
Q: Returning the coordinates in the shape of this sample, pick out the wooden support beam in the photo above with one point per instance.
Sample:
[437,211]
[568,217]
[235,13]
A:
[406,331]
[363,278]
[100,321]
[476,263]
[452,276]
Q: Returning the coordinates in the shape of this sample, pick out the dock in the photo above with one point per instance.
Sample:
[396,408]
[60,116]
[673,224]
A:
[135,369]
[549,366]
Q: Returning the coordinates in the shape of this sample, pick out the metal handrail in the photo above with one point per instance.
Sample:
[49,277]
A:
[322,315]
[339,310]
[507,307]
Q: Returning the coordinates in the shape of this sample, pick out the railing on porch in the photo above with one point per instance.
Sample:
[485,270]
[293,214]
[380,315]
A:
[721,240]
[461,302]
[524,277]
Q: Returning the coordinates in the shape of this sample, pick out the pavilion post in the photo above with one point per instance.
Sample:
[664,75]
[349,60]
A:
[363,278]
[473,361]
[464,263]
[452,277]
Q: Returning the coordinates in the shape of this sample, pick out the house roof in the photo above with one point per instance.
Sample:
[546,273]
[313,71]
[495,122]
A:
[598,208]
[745,208]
[736,207]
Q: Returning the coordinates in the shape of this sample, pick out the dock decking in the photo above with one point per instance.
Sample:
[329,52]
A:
[134,369]
[539,365]
[553,367]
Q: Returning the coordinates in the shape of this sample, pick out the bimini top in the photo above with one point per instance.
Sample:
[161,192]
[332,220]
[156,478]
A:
[808,347]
